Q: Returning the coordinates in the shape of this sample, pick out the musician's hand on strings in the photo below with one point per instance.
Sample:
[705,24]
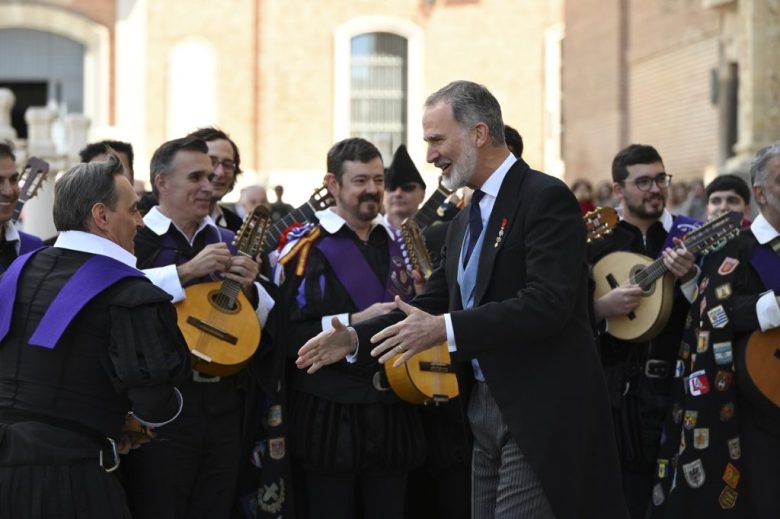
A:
[418,332]
[372,311]
[328,347]
[419,282]
[213,258]
[244,270]
[621,300]
[680,262]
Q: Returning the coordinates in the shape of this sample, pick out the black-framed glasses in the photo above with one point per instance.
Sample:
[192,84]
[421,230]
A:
[645,183]
[227,164]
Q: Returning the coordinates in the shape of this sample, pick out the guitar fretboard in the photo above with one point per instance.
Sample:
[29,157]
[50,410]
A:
[302,214]
[427,213]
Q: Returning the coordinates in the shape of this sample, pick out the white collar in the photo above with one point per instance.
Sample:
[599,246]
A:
[94,244]
[493,183]
[332,222]
[12,236]
[159,224]
[11,232]
[763,230]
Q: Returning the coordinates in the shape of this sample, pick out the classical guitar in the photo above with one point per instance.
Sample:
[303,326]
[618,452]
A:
[30,181]
[762,366]
[428,377]
[217,320]
[319,200]
[657,284]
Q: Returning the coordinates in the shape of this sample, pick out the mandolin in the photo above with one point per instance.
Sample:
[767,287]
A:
[216,318]
[30,181]
[657,283]
[759,374]
[427,377]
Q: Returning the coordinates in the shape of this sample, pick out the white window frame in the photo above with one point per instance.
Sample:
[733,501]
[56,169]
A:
[413,34]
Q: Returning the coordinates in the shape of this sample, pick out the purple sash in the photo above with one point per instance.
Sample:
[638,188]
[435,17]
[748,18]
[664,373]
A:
[93,277]
[767,264]
[680,226]
[356,276]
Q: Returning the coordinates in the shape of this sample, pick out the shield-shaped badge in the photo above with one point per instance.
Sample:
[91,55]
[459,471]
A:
[694,473]
[723,353]
[735,452]
[718,317]
[728,266]
[703,341]
[728,498]
[276,448]
[723,292]
[701,438]
[689,420]
[726,412]
[723,380]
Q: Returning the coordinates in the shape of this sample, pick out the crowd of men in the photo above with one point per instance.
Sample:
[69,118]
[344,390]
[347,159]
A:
[103,412]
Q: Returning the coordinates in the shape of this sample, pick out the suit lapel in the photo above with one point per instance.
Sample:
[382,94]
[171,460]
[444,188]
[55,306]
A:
[503,215]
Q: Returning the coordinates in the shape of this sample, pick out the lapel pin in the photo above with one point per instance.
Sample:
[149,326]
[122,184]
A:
[504,221]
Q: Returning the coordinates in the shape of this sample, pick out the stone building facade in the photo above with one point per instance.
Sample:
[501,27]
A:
[698,79]
[287,79]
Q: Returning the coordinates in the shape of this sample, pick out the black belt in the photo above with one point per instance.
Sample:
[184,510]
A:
[104,443]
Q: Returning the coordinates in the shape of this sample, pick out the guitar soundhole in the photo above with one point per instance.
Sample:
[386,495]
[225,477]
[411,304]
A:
[636,277]
[222,302]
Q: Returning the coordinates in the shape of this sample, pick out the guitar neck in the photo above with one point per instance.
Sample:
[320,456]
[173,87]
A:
[17,210]
[427,213]
[303,213]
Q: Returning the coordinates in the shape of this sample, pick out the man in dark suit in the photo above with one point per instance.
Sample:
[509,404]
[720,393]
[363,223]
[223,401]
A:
[510,299]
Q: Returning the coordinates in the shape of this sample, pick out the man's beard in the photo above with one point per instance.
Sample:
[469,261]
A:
[641,212]
[365,215]
[463,170]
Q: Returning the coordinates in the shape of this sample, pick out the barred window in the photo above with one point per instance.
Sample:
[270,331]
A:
[378,90]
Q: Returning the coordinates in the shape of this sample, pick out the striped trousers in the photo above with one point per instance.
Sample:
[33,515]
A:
[503,484]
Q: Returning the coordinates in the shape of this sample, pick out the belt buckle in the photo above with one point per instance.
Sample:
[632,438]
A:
[655,368]
[114,453]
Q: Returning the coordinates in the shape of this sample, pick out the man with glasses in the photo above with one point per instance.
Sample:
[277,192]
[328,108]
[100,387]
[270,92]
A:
[404,188]
[225,161]
[639,374]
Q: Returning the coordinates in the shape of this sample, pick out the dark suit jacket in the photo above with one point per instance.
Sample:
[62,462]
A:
[529,330]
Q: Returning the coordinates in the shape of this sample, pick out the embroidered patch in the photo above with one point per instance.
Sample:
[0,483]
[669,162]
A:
[703,342]
[723,353]
[662,468]
[723,380]
[685,350]
[728,498]
[701,438]
[728,266]
[698,383]
[690,418]
[270,498]
[694,473]
[702,306]
[726,412]
[718,317]
[735,452]
[731,475]
[276,448]
[275,416]
[723,291]
[658,495]
[679,369]
[703,285]
[677,413]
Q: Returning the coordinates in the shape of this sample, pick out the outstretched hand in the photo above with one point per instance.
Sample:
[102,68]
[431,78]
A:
[328,347]
[418,332]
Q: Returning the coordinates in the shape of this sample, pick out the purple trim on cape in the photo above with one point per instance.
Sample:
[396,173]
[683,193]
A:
[28,243]
[356,276]
[681,225]
[767,264]
[93,277]
[8,284]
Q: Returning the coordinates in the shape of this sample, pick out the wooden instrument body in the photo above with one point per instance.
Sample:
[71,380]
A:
[762,364]
[428,377]
[221,340]
[652,314]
